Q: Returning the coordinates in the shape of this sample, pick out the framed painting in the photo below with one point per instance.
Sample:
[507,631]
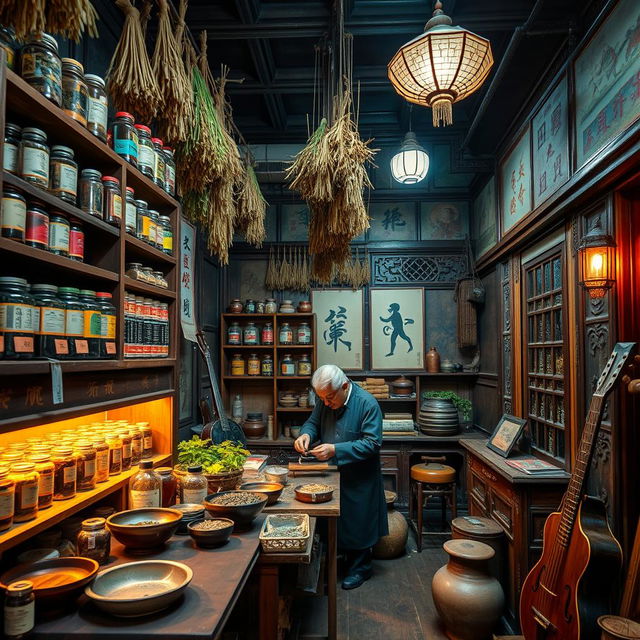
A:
[396,329]
[444,220]
[294,223]
[485,219]
[339,327]
[392,221]
[550,136]
[506,435]
[607,99]
[515,182]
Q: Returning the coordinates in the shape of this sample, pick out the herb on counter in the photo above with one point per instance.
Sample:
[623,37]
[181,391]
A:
[214,458]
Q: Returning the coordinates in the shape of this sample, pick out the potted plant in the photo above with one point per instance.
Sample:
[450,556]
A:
[439,413]
[222,464]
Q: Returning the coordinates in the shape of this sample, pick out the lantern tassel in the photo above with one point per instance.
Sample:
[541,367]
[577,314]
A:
[442,112]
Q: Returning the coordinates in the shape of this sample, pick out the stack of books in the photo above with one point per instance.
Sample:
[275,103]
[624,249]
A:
[254,465]
[377,387]
[533,466]
[398,424]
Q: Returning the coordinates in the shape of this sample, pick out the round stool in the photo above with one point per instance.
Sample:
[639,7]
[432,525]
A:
[431,480]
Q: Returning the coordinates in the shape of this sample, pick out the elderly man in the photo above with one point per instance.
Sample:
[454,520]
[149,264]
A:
[346,428]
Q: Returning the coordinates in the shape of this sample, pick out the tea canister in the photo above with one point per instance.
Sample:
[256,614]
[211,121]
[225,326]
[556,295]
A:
[34,154]
[304,365]
[285,335]
[234,334]
[13,214]
[250,306]
[235,306]
[74,90]
[125,137]
[266,366]
[304,333]
[287,366]
[146,152]
[91,192]
[63,174]
[250,334]
[266,334]
[237,365]
[59,232]
[37,231]
[270,305]
[253,365]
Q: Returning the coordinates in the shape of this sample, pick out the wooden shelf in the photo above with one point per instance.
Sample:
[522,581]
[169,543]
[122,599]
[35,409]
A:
[248,347]
[254,378]
[293,377]
[408,374]
[34,367]
[137,248]
[294,409]
[259,316]
[62,509]
[408,399]
[294,346]
[295,315]
[150,289]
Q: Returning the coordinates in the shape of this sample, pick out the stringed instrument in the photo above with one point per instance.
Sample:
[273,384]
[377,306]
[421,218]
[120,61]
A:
[575,579]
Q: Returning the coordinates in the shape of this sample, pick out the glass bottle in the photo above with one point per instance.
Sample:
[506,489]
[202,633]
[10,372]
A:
[74,323]
[86,460]
[59,232]
[143,220]
[167,235]
[146,151]
[49,325]
[270,305]
[41,67]
[304,333]
[253,365]
[76,241]
[112,201]
[130,215]
[115,453]
[145,488]
[234,334]
[250,334]
[154,223]
[170,171]
[11,150]
[92,322]
[286,334]
[266,366]
[17,315]
[25,476]
[91,192]
[102,458]
[107,324]
[136,445]
[147,439]
[9,44]
[94,540]
[37,228]
[74,90]
[125,137]
[63,174]
[267,334]
[13,214]
[19,610]
[65,473]
[34,157]
[237,412]
[7,499]
[45,469]
[169,485]
[97,106]
[287,366]
[237,365]
[304,365]
[194,487]
[160,165]
[127,449]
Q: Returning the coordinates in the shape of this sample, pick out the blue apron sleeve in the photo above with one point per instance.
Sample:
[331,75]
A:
[312,425]
[369,442]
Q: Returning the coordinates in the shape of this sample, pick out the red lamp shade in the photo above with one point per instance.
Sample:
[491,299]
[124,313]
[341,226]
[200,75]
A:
[597,254]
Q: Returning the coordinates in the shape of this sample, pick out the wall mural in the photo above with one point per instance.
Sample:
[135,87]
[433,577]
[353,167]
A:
[294,223]
[444,220]
[550,137]
[607,77]
[392,221]
[485,218]
[515,173]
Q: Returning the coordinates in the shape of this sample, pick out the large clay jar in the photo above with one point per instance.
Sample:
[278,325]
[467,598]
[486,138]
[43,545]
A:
[469,601]
[432,360]
[438,417]
[254,426]
[393,544]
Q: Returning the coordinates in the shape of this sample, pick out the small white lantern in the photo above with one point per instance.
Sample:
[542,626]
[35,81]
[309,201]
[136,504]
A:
[411,163]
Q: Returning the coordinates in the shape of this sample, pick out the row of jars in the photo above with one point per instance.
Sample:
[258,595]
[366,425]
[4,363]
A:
[31,222]
[161,487]
[39,471]
[251,334]
[147,224]
[255,366]
[136,271]
[268,306]
[66,323]
[146,327]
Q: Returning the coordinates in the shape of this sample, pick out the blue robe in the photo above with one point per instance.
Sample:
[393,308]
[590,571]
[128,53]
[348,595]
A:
[356,431]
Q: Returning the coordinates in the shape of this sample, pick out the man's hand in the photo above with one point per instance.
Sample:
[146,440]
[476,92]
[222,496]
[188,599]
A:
[302,443]
[323,451]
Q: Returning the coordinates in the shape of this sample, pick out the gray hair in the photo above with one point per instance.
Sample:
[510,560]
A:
[328,375]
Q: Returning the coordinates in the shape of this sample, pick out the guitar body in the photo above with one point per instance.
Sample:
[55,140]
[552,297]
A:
[586,583]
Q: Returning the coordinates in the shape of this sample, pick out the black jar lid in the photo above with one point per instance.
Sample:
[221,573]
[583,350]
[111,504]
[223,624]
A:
[196,468]
[9,127]
[91,173]
[254,416]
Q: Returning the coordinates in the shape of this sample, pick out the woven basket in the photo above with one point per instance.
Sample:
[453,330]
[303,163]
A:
[277,544]
[217,481]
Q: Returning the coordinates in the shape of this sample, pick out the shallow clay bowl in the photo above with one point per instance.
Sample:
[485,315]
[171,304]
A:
[271,489]
[139,588]
[54,579]
[211,537]
[242,515]
[318,496]
[125,529]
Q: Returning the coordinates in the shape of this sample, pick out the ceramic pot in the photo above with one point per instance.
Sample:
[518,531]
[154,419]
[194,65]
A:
[304,306]
[402,386]
[448,366]
[254,426]
[438,417]
[286,307]
[393,544]
[468,600]
[618,628]
[432,360]
[235,306]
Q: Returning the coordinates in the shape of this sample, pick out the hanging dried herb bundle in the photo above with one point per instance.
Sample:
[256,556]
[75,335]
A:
[145,14]
[271,275]
[71,18]
[24,17]
[130,79]
[252,208]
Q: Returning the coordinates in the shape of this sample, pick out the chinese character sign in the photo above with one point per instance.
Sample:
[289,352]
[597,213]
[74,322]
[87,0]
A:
[187,280]
[515,176]
[339,328]
[393,221]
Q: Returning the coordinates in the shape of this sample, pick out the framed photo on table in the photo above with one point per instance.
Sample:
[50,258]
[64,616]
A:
[506,435]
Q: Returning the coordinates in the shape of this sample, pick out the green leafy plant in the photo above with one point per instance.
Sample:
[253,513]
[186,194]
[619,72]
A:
[214,458]
[461,404]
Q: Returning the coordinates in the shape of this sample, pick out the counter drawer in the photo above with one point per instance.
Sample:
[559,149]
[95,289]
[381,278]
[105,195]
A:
[479,491]
[502,511]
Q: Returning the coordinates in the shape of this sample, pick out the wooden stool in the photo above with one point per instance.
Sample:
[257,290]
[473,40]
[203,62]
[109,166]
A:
[431,480]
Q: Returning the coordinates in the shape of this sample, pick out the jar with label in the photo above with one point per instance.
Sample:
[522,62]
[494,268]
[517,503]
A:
[17,311]
[125,137]
[74,90]
[304,333]
[115,453]
[102,458]
[259,306]
[167,235]
[7,499]
[92,322]
[76,241]
[285,335]
[45,469]
[146,275]
[91,192]
[234,334]
[170,171]
[11,148]
[13,214]
[253,365]
[107,324]
[266,366]
[49,322]
[266,334]
[86,457]
[136,445]
[26,479]
[41,67]
[143,220]
[97,106]
[169,486]
[74,323]
[9,45]
[270,305]
[94,540]
[37,229]
[304,365]
[130,215]
[19,610]
[154,222]
[194,487]
[127,448]
[112,201]
[145,488]
[147,439]
[160,164]
[287,366]
[34,157]
[63,174]
[250,334]
[161,280]
[64,473]
[59,232]
[146,151]
[250,306]
[237,365]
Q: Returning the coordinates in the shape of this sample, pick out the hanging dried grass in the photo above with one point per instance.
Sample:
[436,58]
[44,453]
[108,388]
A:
[71,18]
[24,17]
[220,218]
[145,14]
[270,276]
[130,79]
[252,209]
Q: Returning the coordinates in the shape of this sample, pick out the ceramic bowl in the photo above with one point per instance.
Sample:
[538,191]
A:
[271,489]
[319,496]
[125,527]
[242,515]
[276,474]
[211,537]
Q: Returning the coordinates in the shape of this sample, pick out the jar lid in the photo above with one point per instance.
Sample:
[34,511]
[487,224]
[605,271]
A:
[20,588]
[88,292]
[141,203]
[34,132]
[144,128]
[130,190]
[164,471]
[110,179]
[72,290]
[57,214]
[124,114]
[4,471]
[165,219]
[15,281]
[45,37]
[146,464]
[83,444]
[71,62]
[256,415]
[133,265]
[90,77]
[90,173]
[64,451]
[157,141]
[103,294]
[44,287]
[23,467]
[39,457]
[9,126]
[93,524]
[170,149]
[196,468]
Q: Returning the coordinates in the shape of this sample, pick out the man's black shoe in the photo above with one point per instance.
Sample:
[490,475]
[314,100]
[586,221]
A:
[355,580]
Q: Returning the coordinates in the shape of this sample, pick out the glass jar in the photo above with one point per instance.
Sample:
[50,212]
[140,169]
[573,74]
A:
[266,366]
[287,366]
[76,241]
[130,215]
[194,487]
[127,448]
[94,540]
[304,333]
[91,192]
[19,610]
[11,150]
[146,151]
[161,280]
[9,45]
[267,334]
[37,226]
[97,106]
[285,335]
[143,220]
[86,456]
[146,275]
[154,222]
[7,499]
[134,270]
[63,174]
[145,488]
[115,453]
[112,201]
[136,445]
[169,486]
[253,365]
[49,322]
[25,477]
[234,334]
[34,157]
[12,457]
[160,165]
[102,458]
[45,469]
[74,323]
[59,232]
[304,365]
[65,473]
[250,306]
[17,315]
[74,90]
[259,306]
[41,67]
[237,365]
[270,305]
[107,324]
[92,322]
[250,334]
[170,171]
[147,439]
[125,137]
[166,235]
[13,214]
